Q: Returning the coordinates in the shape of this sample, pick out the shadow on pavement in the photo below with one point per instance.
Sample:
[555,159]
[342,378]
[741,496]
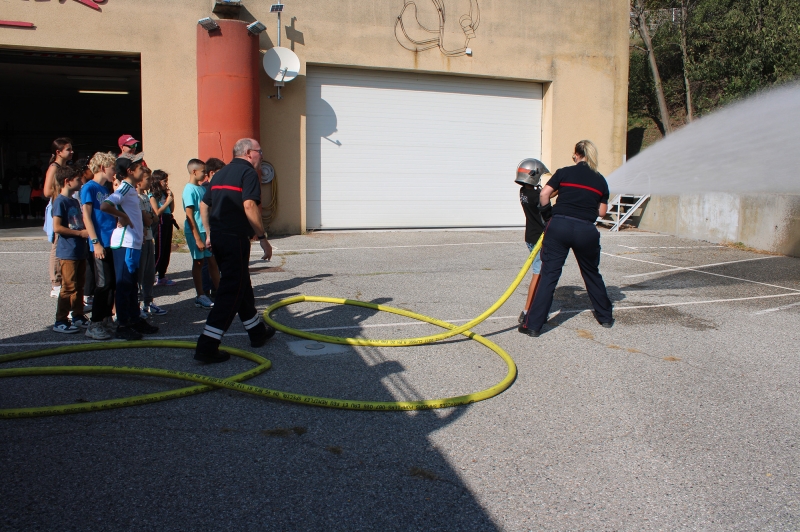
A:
[224,460]
[569,301]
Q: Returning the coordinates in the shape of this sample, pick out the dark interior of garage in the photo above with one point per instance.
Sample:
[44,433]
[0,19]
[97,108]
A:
[90,98]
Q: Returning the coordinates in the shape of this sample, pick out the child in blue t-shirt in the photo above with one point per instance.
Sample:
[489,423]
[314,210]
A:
[100,227]
[195,233]
[71,251]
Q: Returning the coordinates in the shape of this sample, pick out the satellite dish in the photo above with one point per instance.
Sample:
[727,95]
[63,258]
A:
[281,64]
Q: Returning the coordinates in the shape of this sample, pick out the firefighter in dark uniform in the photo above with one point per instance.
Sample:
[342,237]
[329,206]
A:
[232,216]
[582,197]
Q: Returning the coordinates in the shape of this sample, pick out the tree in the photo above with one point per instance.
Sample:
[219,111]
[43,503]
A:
[684,20]
[639,20]
[738,47]
[690,57]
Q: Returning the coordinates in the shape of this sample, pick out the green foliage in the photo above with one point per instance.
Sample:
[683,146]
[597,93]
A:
[741,46]
[735,48]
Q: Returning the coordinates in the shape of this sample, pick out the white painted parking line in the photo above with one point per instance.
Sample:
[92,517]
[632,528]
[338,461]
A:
[644,235]
[518,242]
[776,309]
[73,342]
[679,268]
[515,317]
[515,242]
[706,302]
[695,269]
[669,247]
[399,247]
[462,320]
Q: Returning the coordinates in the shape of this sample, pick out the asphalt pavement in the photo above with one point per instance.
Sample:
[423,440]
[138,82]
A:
[684,415]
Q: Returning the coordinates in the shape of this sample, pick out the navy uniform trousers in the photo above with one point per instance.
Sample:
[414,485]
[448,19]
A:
[235,294]
[562,234]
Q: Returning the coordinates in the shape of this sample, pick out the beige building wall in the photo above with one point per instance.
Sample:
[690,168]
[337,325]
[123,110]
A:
[577,48]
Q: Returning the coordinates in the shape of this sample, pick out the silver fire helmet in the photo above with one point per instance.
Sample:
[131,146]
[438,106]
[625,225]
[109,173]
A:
[530,172]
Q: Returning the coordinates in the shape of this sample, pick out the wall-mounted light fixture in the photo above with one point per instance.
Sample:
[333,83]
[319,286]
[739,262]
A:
[208,24]
[229,9]
[116,93]
[98,78]
[256,27]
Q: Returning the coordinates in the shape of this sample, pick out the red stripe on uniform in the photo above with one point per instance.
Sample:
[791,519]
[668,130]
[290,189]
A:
[228,187]
[582,186]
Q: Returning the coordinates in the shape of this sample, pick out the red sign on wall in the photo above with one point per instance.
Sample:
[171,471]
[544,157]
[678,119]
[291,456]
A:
[90,3]
[21,24]
[16,24]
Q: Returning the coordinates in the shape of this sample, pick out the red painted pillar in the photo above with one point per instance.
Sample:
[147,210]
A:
[228,105]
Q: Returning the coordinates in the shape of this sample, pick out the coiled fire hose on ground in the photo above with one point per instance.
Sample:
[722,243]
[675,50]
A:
[205,383]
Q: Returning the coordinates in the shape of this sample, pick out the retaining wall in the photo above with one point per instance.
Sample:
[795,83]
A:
[769,222]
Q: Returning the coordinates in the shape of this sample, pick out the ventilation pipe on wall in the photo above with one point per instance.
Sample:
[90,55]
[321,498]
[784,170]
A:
[228,104]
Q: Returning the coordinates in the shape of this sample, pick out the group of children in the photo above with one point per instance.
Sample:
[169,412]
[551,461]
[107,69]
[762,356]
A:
[114,224]
[123,211]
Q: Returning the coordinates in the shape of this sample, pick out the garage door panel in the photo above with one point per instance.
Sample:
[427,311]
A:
[425,83]
[394,154]
[388,149]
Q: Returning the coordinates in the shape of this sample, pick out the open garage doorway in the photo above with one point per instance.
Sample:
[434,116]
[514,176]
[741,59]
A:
[88,97]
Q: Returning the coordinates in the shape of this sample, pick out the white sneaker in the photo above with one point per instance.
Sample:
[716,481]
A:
[143,313]
[96,331]
[88,303]
[203,302]
[56,291]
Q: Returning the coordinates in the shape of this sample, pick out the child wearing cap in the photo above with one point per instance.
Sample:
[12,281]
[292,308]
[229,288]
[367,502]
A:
[128,145]
[128,152]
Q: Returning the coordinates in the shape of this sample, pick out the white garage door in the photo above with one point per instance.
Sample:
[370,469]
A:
[393,150]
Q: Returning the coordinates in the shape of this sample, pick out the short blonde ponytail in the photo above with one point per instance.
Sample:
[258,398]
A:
[588,150]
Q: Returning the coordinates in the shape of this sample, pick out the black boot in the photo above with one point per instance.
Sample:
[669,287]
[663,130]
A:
[530,332]
[260,334]
[208,350]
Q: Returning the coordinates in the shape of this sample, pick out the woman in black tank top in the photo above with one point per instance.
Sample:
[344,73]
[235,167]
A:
[61,152]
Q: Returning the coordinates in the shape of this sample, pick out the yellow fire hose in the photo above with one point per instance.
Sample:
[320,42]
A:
[235,382]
